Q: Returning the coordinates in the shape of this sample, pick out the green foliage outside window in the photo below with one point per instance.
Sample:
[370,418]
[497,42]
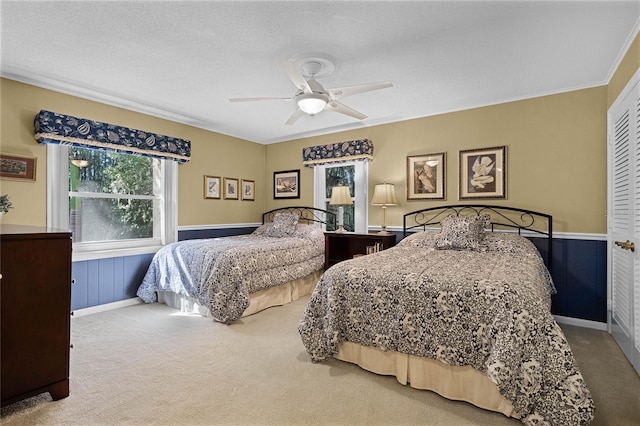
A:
[341,176]
[109,172]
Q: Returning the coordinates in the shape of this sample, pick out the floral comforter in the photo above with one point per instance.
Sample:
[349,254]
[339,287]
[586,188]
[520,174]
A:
[489,309]
[221,273]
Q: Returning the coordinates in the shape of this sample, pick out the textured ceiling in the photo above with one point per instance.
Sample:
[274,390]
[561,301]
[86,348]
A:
[183,60]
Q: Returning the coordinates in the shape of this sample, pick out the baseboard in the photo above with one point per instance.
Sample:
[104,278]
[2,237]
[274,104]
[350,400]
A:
[136,301]
[107,307]
[581,322]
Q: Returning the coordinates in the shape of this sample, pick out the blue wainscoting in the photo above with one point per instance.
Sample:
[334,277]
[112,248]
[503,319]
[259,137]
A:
[578,270]
[101,281]
[213,233]
[581,279]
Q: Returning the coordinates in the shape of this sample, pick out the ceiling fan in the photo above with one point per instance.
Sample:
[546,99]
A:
[312,98]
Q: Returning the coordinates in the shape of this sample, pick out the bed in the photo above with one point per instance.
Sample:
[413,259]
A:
[461,307]
[230,277]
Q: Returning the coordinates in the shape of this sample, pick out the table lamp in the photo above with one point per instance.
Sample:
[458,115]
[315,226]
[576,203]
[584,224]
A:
[340,196]
[384,195]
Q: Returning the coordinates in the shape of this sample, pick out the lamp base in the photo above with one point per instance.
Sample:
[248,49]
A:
[340,230]
[383,232]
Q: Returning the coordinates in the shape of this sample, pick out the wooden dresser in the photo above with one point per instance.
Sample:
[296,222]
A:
[35,284]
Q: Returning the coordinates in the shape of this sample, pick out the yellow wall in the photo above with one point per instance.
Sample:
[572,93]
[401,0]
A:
[212,154]
[556,156]
[628,66]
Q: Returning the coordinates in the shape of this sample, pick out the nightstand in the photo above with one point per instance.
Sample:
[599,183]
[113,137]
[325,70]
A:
[343,246]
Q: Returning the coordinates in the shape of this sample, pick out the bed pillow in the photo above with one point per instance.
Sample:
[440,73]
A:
[306,230]
[423,239]
[283,225]
[462,233]
[508,243]
[263,230]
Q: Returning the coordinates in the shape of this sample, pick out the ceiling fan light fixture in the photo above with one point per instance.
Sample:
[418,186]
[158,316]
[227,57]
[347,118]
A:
[312,103]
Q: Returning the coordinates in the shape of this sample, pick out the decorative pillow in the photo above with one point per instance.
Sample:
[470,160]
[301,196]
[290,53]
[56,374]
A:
[283,225]
[462,233]
[423,239]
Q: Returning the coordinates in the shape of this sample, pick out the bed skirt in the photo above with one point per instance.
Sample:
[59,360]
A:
[452,382]
[258,301]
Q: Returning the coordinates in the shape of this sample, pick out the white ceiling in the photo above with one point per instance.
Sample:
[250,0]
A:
[183,60]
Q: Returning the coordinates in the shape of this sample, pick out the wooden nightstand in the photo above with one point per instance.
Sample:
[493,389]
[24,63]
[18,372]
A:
[343,246]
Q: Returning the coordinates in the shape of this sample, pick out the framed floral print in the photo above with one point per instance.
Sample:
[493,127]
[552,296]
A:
[212,187]
[230,189]
[426,176]
[248,190]
[483,173]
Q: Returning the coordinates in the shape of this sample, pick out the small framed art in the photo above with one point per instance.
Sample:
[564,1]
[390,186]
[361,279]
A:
[426,176]
[248,190]
[212,187]
[230,188]
[286,184]
[17,167]
[483,173]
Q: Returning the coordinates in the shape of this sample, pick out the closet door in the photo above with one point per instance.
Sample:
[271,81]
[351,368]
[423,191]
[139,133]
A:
[624,221]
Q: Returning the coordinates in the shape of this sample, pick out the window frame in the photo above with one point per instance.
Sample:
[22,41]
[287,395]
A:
[361,187]
[58,210]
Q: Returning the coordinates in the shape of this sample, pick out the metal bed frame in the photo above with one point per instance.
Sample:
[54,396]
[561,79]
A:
[307,215]
[502,219]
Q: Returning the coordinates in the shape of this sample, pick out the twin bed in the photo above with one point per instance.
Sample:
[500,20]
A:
[231,277]
[458,310]
[458,307]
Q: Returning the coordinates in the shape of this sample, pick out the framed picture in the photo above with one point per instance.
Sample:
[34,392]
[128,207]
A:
[230,189]
[248,190]
[286,184]
[212,187]
[17,167]
[426,176]
[483,173]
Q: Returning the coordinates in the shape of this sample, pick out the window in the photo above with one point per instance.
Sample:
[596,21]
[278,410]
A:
[115,205]
[353,174]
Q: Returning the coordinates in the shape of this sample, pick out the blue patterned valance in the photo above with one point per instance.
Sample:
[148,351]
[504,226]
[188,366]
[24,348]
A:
[54,128]
[358,150]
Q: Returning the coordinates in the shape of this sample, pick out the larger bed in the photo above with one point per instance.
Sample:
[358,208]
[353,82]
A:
[230,277]
[458,310]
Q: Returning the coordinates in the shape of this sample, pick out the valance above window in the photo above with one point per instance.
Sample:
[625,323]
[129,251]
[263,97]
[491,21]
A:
[54,128]
[358,150]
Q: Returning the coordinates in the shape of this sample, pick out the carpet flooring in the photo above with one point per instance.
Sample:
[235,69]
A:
[151,365]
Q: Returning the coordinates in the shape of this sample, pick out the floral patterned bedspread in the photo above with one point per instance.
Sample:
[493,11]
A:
[489,309]
[221,272]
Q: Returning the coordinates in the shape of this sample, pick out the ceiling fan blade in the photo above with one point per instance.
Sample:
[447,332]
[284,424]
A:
[315,86]
[294,117]
[341,92]
[258,99]
[343,109]
[294,75]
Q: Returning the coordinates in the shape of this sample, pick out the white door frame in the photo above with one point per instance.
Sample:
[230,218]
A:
[620,262]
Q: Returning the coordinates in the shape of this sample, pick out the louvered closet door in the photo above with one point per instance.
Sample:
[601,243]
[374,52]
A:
[624,221]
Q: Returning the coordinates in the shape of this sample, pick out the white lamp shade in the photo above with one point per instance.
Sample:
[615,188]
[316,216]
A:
[384,194]
[340,195]
[311,103]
